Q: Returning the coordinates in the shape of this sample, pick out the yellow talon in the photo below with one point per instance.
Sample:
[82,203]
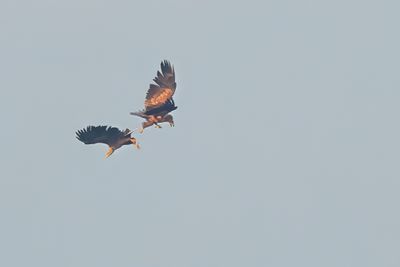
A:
[109,152]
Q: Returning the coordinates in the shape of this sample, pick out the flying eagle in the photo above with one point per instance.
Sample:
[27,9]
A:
[111,136]
[159,102]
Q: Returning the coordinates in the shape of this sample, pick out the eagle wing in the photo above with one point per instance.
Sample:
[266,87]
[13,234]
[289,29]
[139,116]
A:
[159,93]
[100,134]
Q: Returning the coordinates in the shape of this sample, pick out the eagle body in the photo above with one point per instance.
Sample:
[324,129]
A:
[111,136]
[159,102]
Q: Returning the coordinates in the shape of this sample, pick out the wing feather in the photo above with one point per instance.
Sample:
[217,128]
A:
[99,134]
[159,93]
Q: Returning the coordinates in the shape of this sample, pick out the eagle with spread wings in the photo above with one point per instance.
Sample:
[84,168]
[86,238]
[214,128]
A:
[159,102]
[111,136]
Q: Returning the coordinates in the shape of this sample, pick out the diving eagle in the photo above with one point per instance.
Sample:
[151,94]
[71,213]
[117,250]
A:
[159,102]
[111,136]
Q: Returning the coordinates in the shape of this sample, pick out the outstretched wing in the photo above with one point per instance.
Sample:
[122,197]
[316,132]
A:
[99,134]
[164,88]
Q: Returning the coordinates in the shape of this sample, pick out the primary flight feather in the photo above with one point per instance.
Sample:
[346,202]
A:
[111,136]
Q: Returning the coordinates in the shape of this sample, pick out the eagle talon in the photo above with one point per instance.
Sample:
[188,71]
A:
[109,152]
[111,136]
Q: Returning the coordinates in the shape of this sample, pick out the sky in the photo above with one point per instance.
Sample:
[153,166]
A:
[285,150]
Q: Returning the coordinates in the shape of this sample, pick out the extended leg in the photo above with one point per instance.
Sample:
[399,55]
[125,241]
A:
[109,152]
[145,125]
[135,143]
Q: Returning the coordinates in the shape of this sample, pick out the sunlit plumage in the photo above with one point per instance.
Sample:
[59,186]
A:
[159,102]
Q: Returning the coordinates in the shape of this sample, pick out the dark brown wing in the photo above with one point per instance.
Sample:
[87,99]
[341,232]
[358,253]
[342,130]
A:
[162,110]
[100,134]
[159,93]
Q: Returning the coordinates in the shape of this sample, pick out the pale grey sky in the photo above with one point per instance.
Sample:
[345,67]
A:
[285,150]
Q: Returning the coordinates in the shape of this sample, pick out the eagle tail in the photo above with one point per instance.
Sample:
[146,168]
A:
[139,114]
